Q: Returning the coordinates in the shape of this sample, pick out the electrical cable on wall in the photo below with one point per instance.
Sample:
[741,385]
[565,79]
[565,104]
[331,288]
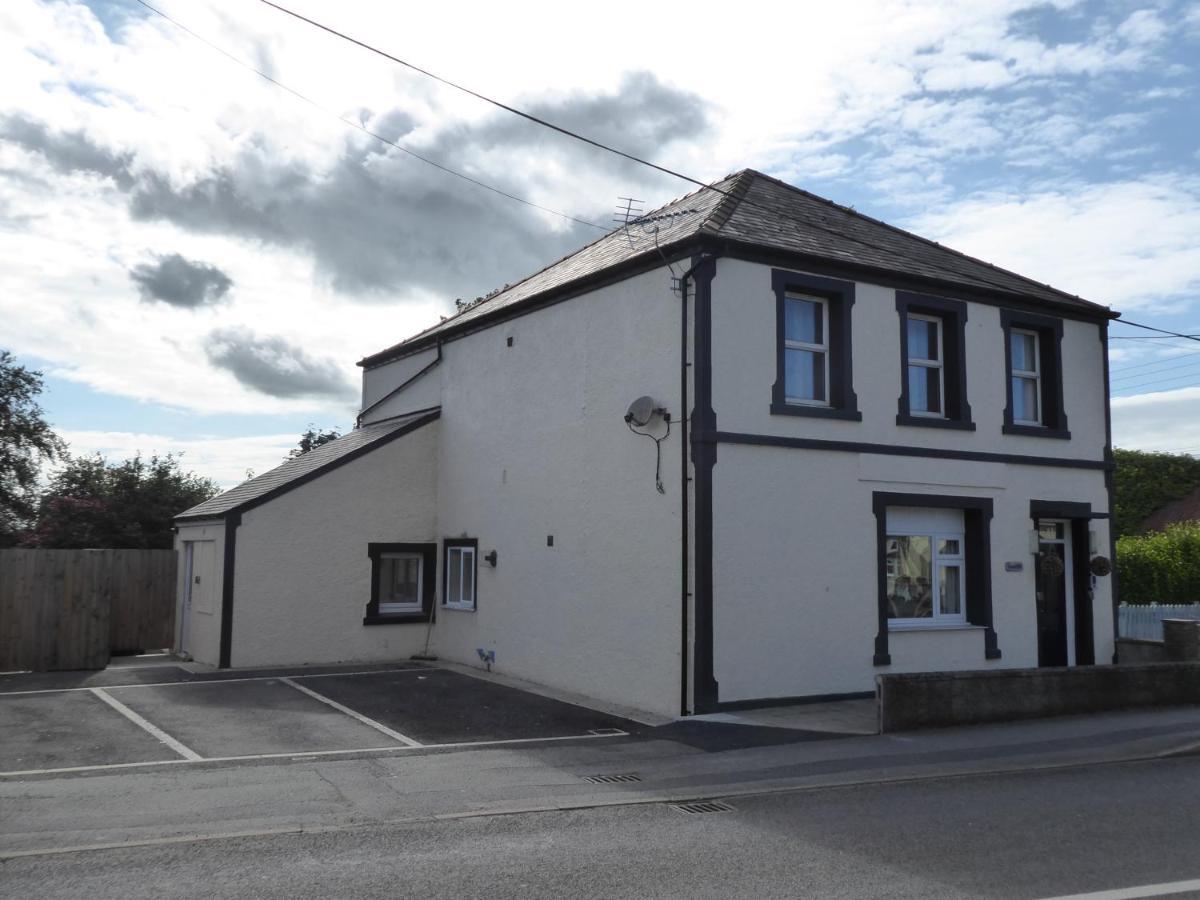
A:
[641,413]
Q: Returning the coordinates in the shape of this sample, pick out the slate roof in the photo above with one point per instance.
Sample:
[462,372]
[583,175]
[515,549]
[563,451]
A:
[755,209]
[303,468]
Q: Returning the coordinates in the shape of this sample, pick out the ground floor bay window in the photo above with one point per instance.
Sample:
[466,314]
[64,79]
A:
[934,566]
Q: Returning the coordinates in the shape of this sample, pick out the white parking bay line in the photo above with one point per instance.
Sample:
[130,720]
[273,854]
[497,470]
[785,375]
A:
[1146,890]
[185,752]
[370,723]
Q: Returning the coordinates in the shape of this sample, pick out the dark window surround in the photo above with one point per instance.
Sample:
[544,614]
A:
[1050,332]
[447,544]
[428,584]
[977,520]
[843,402]
[953,316]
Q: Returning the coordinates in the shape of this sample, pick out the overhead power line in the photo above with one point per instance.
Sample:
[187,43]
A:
[466,90]
[1169,333]
[601,145]
[1155,372]
[363,128]
[1122,371]
[538,120]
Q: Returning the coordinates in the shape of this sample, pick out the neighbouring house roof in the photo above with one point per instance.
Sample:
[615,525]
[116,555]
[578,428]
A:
[759,211]
[1185,509]
[307,466]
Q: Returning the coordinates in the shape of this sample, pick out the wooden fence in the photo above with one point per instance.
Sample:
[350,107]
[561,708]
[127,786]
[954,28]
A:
[1145,622]
[71,609]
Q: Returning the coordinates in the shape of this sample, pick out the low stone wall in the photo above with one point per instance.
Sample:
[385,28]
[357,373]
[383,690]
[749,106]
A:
[941,699]
[1132,651]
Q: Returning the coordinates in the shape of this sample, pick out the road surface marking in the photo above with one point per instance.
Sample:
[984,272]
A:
[308,754]
[357,716]
[185,752]
[115,687]
[1133,893]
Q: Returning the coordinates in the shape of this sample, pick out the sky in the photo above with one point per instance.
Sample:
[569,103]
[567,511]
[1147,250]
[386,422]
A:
[195,257]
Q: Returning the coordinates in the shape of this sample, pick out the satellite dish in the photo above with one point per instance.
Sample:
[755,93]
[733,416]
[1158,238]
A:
[641,411]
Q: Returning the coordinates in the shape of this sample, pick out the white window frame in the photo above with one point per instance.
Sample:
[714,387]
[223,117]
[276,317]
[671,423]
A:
[939,364]
[822,348]
[467,557]
[1034,375]
[392,609]
[938,560]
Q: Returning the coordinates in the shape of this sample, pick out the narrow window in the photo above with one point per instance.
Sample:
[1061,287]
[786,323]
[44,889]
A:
[460,574]
[933,364]
[806,350]
[814,373]
[1033,382]
[1026,377]
[926,366]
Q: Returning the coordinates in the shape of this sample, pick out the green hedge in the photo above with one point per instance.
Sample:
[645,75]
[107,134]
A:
[1161,567]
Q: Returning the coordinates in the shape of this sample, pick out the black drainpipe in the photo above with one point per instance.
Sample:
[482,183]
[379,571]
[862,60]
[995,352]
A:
[232,521]
[703,456]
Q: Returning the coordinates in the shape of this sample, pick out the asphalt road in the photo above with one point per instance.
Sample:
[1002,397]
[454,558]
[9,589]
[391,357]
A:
[1029,835]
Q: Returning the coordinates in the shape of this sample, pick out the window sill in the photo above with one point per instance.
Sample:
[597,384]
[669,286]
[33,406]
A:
[932,626]
[415,618]
[934,422]
[1041,431]
[817,412]
[458,607]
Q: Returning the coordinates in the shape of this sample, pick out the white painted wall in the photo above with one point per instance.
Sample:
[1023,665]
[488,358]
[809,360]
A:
[534,444]
[198,631]
[424,393]
[795,565]
[381,380]
[302,577]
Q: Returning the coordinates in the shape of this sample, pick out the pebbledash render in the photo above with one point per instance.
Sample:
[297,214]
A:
[870,454]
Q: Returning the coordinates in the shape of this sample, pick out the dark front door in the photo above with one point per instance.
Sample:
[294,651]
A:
[1054,601]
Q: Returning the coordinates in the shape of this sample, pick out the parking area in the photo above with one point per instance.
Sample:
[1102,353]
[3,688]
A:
[167,716]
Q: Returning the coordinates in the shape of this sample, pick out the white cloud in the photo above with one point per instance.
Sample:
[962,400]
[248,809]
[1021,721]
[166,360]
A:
[918,79]
[1130,244]
[1165,420]
[225,460]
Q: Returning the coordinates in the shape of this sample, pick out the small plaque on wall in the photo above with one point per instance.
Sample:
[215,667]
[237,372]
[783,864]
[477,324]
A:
[1014,567]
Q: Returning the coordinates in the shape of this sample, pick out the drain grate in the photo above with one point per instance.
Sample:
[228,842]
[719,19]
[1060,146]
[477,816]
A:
[625,778]
[702,806]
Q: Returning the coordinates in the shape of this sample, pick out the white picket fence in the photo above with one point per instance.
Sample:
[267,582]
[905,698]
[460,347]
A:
[1145,622]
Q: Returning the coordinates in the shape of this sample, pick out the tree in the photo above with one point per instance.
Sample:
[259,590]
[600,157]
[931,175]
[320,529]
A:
[312,439]
[26,442]
[127,505]
[1145,482]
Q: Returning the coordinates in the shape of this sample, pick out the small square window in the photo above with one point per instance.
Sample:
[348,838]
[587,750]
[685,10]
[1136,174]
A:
[402,583]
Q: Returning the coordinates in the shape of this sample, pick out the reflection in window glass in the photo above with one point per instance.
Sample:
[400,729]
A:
[804,375]
[399,582]
[950,590]
[910,575]
[803,321]
[918,568]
